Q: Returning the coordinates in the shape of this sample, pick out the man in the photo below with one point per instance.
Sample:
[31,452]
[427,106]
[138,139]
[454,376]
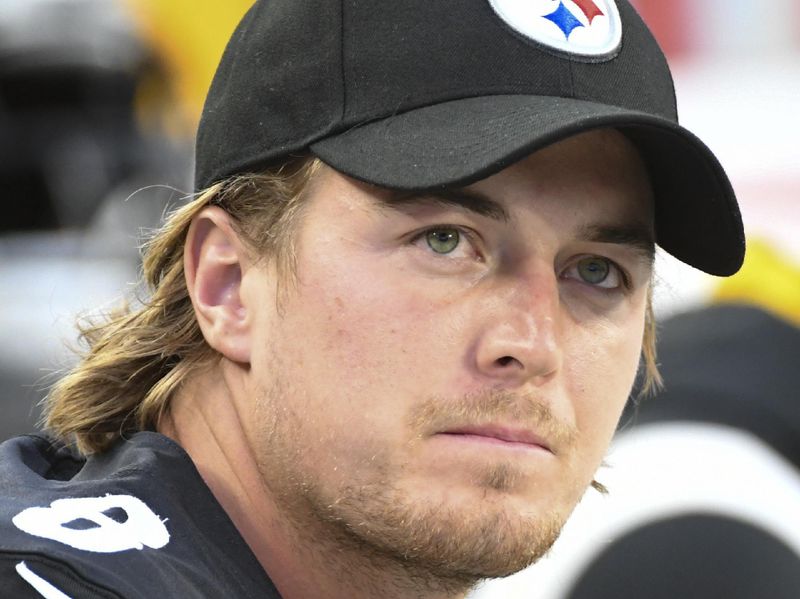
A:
[388,345]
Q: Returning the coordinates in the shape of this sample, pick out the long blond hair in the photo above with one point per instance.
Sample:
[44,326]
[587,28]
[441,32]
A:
[137,357]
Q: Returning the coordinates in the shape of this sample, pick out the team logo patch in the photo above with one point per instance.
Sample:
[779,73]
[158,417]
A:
[581,27]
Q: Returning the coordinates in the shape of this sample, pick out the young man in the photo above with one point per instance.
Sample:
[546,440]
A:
[388,345]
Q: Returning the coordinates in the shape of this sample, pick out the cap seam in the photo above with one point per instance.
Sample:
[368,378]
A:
[334,128]
[482,142]
[342,37]
[478,143]
[504,90]
[571,64]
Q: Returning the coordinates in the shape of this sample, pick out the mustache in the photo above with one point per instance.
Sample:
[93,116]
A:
[523,410]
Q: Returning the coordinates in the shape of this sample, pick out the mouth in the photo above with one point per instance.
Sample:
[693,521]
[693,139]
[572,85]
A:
[501,436]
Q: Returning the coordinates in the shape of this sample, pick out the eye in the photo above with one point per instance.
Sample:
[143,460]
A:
[597,271]
[449,243]
[443,240]
[594,270]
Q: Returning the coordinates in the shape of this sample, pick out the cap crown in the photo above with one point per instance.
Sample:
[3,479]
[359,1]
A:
[296,71]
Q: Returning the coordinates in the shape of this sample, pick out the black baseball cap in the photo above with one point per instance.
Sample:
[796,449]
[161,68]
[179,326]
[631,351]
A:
[417,95]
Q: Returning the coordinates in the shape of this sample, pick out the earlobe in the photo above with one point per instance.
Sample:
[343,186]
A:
[214,259]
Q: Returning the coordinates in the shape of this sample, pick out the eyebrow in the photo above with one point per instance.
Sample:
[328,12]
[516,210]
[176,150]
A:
[460,198]
[638,237]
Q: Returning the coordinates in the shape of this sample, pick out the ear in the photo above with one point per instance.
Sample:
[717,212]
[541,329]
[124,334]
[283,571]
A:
[213,260]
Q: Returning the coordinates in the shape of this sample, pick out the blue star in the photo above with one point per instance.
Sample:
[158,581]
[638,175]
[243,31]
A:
[565,20]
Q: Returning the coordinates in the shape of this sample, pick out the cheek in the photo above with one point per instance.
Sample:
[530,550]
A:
[350,341]
[600,368]
[375,325]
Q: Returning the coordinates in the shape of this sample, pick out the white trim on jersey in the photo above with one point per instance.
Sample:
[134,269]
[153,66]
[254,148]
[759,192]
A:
[45,589]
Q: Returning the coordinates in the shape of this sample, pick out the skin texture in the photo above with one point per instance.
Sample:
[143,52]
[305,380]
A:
[403,422]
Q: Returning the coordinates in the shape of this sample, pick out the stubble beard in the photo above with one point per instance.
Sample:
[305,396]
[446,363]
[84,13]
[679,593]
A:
[430,545]
[447,547]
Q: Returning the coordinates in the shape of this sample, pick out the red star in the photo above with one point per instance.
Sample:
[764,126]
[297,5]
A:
[590,9]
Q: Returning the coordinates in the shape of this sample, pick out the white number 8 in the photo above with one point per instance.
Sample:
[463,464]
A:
[140,528]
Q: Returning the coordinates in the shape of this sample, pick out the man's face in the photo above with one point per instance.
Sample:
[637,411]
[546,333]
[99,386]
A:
[443,380]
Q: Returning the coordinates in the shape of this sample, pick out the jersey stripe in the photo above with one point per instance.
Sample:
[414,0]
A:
[46,590]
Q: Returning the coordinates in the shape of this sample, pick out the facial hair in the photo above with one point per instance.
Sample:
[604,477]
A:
[374,517]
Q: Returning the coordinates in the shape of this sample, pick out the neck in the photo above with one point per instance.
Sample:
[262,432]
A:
[303,555]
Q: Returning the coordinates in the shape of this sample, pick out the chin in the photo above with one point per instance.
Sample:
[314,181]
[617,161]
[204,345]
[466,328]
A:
[480,533]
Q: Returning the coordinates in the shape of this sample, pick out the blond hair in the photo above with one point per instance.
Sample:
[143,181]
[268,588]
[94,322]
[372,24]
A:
[137,358]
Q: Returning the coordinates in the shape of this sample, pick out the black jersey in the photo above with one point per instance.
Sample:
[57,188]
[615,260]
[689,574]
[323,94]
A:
[134,522]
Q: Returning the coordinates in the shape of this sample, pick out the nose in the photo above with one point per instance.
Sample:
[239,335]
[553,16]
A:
[520,339]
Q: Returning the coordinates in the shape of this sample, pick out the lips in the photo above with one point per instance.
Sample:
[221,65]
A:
[504,434]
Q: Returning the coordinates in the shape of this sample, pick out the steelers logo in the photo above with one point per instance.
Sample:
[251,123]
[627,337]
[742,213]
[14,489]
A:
[590,28]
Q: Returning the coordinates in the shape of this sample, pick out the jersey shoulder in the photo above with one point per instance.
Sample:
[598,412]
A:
[136,521]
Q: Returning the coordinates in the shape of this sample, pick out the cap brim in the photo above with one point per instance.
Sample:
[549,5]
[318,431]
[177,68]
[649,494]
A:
[460,142]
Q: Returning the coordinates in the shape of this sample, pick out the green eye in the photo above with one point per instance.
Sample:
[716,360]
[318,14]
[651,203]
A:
[594,270]
[443,241]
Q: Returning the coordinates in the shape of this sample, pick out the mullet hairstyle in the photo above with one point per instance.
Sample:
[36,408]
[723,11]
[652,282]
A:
[137,358]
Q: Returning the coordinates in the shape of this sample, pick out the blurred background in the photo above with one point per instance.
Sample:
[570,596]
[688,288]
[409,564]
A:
[99,101]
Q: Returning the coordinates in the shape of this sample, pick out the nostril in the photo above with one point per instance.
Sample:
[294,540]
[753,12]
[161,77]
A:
[506,360]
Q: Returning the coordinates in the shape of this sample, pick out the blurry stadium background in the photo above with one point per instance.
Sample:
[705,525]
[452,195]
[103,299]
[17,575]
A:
[99,100]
